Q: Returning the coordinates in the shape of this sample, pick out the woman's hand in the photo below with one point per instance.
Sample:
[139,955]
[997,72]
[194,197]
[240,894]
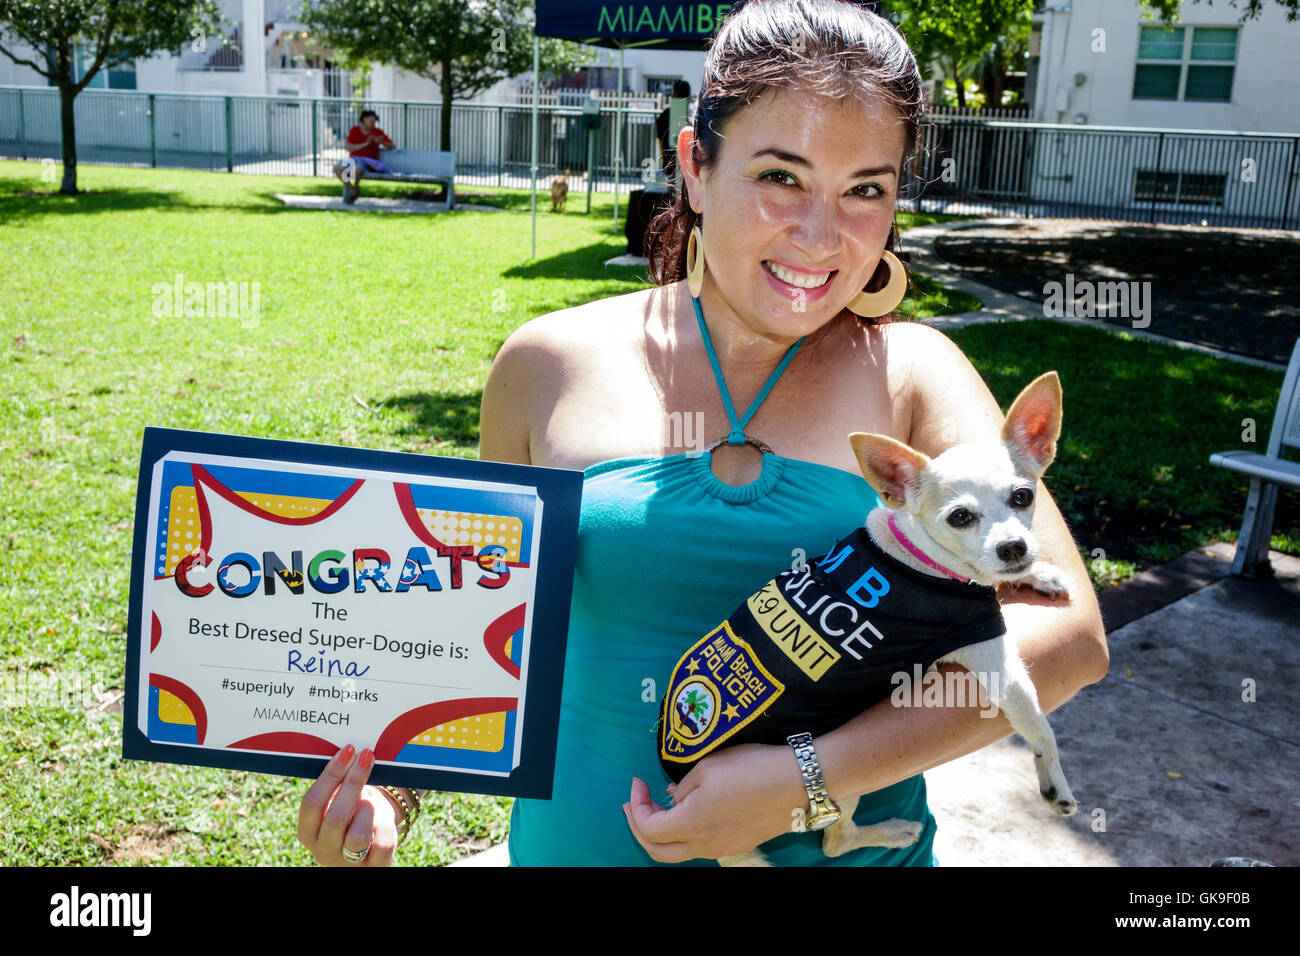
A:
[339,810]
[729,803]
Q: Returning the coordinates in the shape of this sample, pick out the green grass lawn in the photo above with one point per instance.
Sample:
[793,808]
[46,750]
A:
[377,331]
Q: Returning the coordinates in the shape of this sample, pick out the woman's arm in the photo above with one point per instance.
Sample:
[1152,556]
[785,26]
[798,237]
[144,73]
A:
[745,795]
[506,412]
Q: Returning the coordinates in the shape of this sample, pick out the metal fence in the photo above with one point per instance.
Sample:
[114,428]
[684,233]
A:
[1108,172]
[974,166]
[302,136]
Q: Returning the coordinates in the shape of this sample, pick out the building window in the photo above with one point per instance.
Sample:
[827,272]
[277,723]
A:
[1194,64]
[83,57]
[1174,187]
[661,84]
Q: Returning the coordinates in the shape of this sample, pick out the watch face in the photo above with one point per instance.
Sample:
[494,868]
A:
[823,819]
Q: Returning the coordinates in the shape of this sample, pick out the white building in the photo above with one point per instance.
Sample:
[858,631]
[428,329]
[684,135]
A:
[1096,62]
[1198,122]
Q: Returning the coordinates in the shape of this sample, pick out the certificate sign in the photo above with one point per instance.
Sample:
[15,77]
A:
[288,599]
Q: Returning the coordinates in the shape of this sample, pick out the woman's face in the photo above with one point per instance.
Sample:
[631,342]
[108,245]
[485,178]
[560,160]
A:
[805,183]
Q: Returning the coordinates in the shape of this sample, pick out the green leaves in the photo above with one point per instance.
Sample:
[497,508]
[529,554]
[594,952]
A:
[467,47]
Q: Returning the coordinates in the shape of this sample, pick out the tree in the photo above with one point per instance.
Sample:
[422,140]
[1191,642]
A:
[465,46]
[114,31]
[956,34]
[1170,10]
[994,64]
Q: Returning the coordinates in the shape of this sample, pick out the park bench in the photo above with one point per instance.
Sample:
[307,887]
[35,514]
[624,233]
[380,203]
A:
[419,166]
[1267,472]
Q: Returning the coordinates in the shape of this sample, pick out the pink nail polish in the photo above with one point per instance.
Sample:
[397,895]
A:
[367,759]
[345,755]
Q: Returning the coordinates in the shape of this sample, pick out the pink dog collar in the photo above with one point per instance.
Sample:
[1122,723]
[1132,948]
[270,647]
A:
[917,553]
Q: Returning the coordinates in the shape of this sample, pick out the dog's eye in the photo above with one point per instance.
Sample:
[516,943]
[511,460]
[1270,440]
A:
[1022,498]
[960,517]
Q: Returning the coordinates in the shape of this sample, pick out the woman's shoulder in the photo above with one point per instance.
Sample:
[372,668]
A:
[920,354]
[947,399]
[570,351]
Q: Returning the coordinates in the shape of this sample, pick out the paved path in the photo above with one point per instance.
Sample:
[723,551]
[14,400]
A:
[1002,306]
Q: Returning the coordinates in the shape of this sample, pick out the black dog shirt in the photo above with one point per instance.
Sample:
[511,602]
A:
[814,647]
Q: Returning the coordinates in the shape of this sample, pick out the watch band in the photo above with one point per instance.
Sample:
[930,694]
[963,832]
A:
[823,811]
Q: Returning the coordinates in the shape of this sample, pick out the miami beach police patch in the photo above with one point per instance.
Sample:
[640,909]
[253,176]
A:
[717,687]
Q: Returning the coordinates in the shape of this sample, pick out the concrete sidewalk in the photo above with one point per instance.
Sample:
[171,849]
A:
[999,306]
[1170,763]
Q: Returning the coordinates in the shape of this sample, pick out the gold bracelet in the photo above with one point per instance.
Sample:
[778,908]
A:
[411,812]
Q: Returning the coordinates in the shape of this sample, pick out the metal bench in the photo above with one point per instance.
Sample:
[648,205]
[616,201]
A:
[418,166]
[1267,472]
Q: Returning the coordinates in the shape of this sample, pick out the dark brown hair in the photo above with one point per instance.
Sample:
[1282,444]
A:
[825,47]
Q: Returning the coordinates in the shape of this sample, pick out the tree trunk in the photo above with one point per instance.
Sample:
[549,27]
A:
[446,87]
[67,99]
[992,83]
[961,87]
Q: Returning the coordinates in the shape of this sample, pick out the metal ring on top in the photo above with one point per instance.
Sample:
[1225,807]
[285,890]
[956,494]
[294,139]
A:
[749,440]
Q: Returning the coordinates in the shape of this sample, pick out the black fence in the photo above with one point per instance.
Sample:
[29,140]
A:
[1099,172]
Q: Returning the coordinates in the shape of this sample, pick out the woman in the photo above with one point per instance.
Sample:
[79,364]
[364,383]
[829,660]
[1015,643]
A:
[791,172]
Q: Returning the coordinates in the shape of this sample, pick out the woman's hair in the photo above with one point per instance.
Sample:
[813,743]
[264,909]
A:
[826,47]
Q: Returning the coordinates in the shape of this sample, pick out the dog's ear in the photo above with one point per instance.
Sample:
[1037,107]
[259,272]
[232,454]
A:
[1034,423]
[892,468]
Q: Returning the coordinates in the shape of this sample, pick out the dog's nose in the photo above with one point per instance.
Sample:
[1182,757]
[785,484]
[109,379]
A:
[1012,550]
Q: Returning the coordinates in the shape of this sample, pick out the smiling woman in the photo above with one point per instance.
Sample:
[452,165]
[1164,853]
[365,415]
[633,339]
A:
[773,285]
[820,108]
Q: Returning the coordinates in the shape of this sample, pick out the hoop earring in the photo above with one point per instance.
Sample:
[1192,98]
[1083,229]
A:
[872,304]
[695,261]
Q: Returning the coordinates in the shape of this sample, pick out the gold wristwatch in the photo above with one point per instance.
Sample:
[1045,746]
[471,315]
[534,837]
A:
[822,811]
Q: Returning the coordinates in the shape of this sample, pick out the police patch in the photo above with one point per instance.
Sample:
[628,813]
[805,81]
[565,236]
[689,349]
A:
[717,687]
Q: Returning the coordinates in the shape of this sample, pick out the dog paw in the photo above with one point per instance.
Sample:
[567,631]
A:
[900,833]
[1047,580]
[1062,802]
[895,833]
[754,857]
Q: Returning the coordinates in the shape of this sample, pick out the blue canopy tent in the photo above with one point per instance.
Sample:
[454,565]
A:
[664,25]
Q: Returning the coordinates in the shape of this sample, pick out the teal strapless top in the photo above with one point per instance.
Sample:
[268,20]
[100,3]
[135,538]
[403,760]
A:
[666,551]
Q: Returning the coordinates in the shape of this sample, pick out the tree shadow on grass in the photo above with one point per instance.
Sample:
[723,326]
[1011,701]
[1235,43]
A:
[1235,290]
[585,263]
[436,417]
[19,202]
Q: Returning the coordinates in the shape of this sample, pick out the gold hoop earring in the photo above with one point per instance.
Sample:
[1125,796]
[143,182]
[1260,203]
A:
[872,304]
[695,261]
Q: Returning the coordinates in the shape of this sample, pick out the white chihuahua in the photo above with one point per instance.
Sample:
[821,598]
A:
[967,514]
[963,515]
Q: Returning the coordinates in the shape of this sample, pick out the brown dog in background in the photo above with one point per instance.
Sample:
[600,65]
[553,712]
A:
[559,192]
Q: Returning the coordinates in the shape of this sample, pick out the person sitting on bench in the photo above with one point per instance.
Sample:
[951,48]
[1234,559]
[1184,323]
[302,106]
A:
[364,141]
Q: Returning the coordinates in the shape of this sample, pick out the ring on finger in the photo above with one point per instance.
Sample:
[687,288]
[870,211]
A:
[352,856]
